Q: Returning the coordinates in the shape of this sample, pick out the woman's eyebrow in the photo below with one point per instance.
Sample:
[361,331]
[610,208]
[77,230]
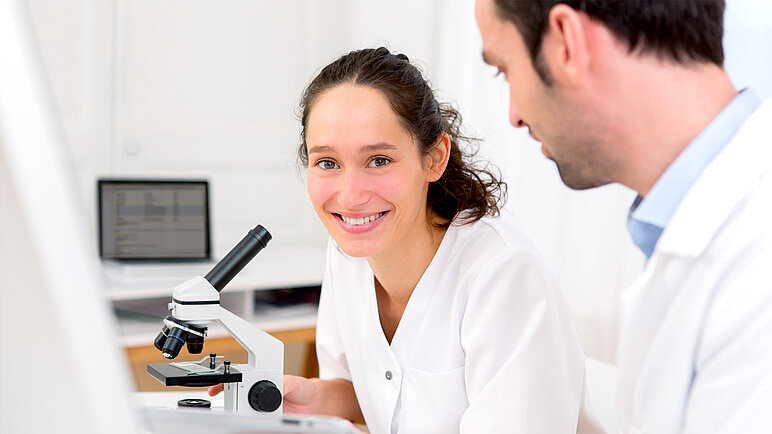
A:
[383,146]
[365,149]
[320,149]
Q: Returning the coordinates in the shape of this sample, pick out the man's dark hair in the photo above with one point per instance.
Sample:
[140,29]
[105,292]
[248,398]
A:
[683,31]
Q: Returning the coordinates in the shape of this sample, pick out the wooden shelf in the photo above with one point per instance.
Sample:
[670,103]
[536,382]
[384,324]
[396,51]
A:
[139,357]
[137,333]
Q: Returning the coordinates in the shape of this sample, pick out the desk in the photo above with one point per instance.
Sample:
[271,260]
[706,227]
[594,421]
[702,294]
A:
[217,420]
[169,399]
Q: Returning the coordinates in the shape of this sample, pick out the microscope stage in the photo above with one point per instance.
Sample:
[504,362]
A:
[173,376]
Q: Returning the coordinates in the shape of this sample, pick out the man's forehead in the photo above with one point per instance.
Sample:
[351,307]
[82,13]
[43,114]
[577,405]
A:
[485,14]
[490,25]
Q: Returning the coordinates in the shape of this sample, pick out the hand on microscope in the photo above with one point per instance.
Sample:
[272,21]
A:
[315,396]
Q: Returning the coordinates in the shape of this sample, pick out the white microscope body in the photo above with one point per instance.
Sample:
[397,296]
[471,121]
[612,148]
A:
[254,387]
[265,352]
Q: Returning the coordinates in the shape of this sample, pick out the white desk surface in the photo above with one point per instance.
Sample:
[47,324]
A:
[168,399]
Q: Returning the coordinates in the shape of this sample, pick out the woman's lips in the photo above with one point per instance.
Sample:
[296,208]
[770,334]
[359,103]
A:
[360,223]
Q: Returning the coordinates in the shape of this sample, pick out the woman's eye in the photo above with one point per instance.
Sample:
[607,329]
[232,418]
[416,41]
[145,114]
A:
[327,164]
[379,161]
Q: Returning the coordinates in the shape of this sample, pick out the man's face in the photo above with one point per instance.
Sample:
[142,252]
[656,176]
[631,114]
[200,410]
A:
[560,119]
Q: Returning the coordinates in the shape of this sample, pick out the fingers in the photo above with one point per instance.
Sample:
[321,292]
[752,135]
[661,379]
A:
[354,427]
[298,390]
[214,390]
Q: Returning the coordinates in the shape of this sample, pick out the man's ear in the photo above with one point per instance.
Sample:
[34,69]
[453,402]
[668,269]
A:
[438,158]
[564,46]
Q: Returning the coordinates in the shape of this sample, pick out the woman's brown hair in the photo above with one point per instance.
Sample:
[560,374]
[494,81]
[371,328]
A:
[464,187]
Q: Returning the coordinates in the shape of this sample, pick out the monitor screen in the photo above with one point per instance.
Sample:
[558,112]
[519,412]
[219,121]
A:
[153,220]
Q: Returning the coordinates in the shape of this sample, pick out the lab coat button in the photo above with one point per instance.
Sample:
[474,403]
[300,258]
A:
[388,375]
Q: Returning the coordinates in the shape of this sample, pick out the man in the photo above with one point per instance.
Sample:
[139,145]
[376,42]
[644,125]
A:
[635,92]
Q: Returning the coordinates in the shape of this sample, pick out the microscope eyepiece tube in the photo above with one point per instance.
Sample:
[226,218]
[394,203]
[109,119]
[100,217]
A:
[225,270]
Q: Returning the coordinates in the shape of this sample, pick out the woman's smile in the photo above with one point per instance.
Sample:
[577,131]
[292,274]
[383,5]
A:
[357,224]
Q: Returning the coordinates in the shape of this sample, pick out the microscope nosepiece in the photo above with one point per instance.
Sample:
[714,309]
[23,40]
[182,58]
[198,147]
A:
[175,334]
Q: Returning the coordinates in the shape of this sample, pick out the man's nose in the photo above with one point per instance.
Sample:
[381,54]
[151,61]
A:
[514,116]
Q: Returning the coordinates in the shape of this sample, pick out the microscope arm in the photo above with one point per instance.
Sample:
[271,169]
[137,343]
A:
[257,342]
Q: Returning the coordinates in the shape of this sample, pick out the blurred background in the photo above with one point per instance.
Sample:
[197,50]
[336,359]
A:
[205,89]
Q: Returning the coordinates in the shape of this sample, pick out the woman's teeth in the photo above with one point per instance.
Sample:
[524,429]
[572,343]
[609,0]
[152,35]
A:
[363,220]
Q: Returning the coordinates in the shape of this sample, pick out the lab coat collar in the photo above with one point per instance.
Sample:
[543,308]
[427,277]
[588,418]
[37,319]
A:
[724,182]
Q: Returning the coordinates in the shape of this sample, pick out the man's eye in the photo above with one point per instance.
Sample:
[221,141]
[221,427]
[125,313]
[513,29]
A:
[379,161]
[327,164]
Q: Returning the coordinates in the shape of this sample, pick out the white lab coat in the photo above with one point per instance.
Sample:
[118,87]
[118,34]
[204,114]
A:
[695,350]
[486,343]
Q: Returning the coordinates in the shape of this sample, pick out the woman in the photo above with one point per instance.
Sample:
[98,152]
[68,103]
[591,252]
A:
[434,316]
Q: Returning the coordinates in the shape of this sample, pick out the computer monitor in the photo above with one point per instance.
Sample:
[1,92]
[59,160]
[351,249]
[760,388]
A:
[145,220]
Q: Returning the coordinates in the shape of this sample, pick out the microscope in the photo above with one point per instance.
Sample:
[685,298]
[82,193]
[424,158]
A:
[255,387]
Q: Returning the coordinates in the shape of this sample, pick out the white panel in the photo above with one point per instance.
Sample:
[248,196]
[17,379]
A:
[211,90]
[404,26]
[75,39]
[60,365]
[210,81]
[274,198]
[61,32]
[747,42]
[328,33]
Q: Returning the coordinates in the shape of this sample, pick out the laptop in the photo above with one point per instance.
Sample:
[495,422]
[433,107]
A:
[154,225]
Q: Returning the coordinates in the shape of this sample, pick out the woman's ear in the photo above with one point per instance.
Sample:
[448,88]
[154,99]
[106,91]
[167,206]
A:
[438,158]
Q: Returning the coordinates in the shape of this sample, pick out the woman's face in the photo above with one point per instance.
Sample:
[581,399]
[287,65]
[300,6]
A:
[366,179]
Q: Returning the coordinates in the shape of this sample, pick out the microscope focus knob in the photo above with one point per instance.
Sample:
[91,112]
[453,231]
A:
[264,396]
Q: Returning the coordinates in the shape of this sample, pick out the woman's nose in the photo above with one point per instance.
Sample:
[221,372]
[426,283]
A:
[353,189]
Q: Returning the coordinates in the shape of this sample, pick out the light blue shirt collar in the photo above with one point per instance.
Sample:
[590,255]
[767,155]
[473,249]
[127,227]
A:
[649,216]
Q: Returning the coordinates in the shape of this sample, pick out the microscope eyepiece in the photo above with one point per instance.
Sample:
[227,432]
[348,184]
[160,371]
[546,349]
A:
[225,270]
